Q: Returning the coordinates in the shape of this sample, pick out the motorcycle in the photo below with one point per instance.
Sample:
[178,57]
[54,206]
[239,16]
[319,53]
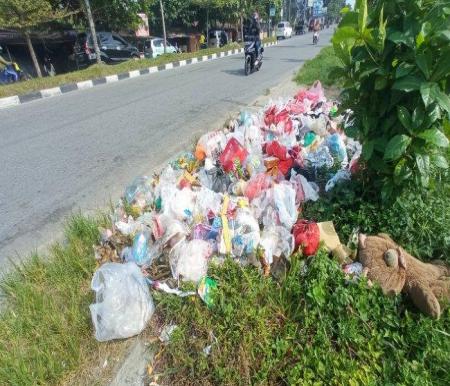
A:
[315,38]
[12,73]
[253,59]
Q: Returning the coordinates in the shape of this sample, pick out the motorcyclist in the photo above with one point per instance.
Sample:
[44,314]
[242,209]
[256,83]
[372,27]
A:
[255,31]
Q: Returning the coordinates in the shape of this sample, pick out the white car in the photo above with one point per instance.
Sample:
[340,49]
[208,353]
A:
[284,30]
[154,47]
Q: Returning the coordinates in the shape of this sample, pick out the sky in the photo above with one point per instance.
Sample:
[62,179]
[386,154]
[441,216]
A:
[351,2]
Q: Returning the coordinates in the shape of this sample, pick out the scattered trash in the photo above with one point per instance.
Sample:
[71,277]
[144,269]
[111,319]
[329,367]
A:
[123,304]
[238,195]
[166,332]
[205,290]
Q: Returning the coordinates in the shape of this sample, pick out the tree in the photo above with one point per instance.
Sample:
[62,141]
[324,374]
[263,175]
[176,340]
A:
[108,14]
[26,16]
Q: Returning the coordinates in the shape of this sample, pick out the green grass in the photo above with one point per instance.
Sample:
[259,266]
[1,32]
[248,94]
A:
[318,68]
[97,71]
[311,328]
[46,329]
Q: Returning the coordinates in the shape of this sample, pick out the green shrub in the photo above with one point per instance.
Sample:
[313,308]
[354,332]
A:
[396,80]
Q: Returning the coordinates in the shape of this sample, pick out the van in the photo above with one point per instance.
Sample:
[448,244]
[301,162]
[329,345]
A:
[284,30]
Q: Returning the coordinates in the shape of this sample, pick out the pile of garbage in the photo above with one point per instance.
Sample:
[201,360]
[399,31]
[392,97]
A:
[237,195]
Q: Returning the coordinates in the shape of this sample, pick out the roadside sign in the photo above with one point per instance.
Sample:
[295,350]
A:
[272,11]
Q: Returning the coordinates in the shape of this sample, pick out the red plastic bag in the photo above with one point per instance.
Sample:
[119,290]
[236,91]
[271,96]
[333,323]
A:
[234,151]
[256,185]
[274,149]
[307,237]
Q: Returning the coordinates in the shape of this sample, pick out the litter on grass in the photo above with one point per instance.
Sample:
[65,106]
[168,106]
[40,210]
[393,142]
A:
[238,195]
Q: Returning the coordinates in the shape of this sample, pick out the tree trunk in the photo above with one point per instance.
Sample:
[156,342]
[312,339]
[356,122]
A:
[163,25]
[33,55]
[242,28]
[93,32]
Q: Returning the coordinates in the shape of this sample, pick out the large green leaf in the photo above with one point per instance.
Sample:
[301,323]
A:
[442,68]
[435,137]
[418,116]
[424,62]
[367,150]
[408,83]
[396,147]
[404,117]
[425,91]
[400,37]
[439,161]
[441,98]
[423,163]
[345,34]
[403,69]
[401,172]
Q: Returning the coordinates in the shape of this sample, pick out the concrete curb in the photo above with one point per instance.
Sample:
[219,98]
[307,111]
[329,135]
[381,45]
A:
[69,87]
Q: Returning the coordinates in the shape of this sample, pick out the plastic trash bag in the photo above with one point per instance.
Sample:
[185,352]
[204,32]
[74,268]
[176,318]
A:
[284,199]
[337,149]
[307,237]
[123,304]
[319,126]
[140,192]
[210,145]
[182,204]
[141,253]
[276,241]
[319,159]
[207,202]
[189,259]
[305,190]
[246,233]
[256,185]
[341,175]
[233,152]
[214,179]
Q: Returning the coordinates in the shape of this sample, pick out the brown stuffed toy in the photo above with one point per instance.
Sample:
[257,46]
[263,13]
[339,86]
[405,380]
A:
[396,270]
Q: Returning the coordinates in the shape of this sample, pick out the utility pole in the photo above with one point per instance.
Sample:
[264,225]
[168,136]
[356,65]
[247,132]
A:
[93,33]
[164,26]
[207,26]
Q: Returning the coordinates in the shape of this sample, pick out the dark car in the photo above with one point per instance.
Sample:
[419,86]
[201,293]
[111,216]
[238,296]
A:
[113,49]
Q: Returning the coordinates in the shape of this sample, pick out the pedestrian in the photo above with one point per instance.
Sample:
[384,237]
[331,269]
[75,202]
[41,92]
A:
[202,41]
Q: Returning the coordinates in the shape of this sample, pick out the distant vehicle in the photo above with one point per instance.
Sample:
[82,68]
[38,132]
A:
[284,30]
[217,38]
[113,49]
[154,47]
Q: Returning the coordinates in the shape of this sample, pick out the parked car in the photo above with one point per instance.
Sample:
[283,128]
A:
[113,49]
[217,38]
[154,47]
[284,30]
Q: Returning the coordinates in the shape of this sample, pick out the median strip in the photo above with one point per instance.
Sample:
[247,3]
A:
[15,100]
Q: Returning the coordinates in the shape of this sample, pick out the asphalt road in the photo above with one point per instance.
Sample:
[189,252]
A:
[77,151]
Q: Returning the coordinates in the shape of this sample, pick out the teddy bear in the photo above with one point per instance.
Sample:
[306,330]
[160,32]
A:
[395,271]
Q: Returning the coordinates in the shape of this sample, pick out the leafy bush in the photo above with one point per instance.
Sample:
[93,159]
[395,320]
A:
[396,80]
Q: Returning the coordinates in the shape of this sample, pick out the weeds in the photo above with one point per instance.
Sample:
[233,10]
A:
[313,327]
[46,329]
[318,68]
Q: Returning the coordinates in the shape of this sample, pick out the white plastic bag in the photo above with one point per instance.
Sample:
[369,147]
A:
[284,199]
[123,304]
[189,259]
[276,241]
